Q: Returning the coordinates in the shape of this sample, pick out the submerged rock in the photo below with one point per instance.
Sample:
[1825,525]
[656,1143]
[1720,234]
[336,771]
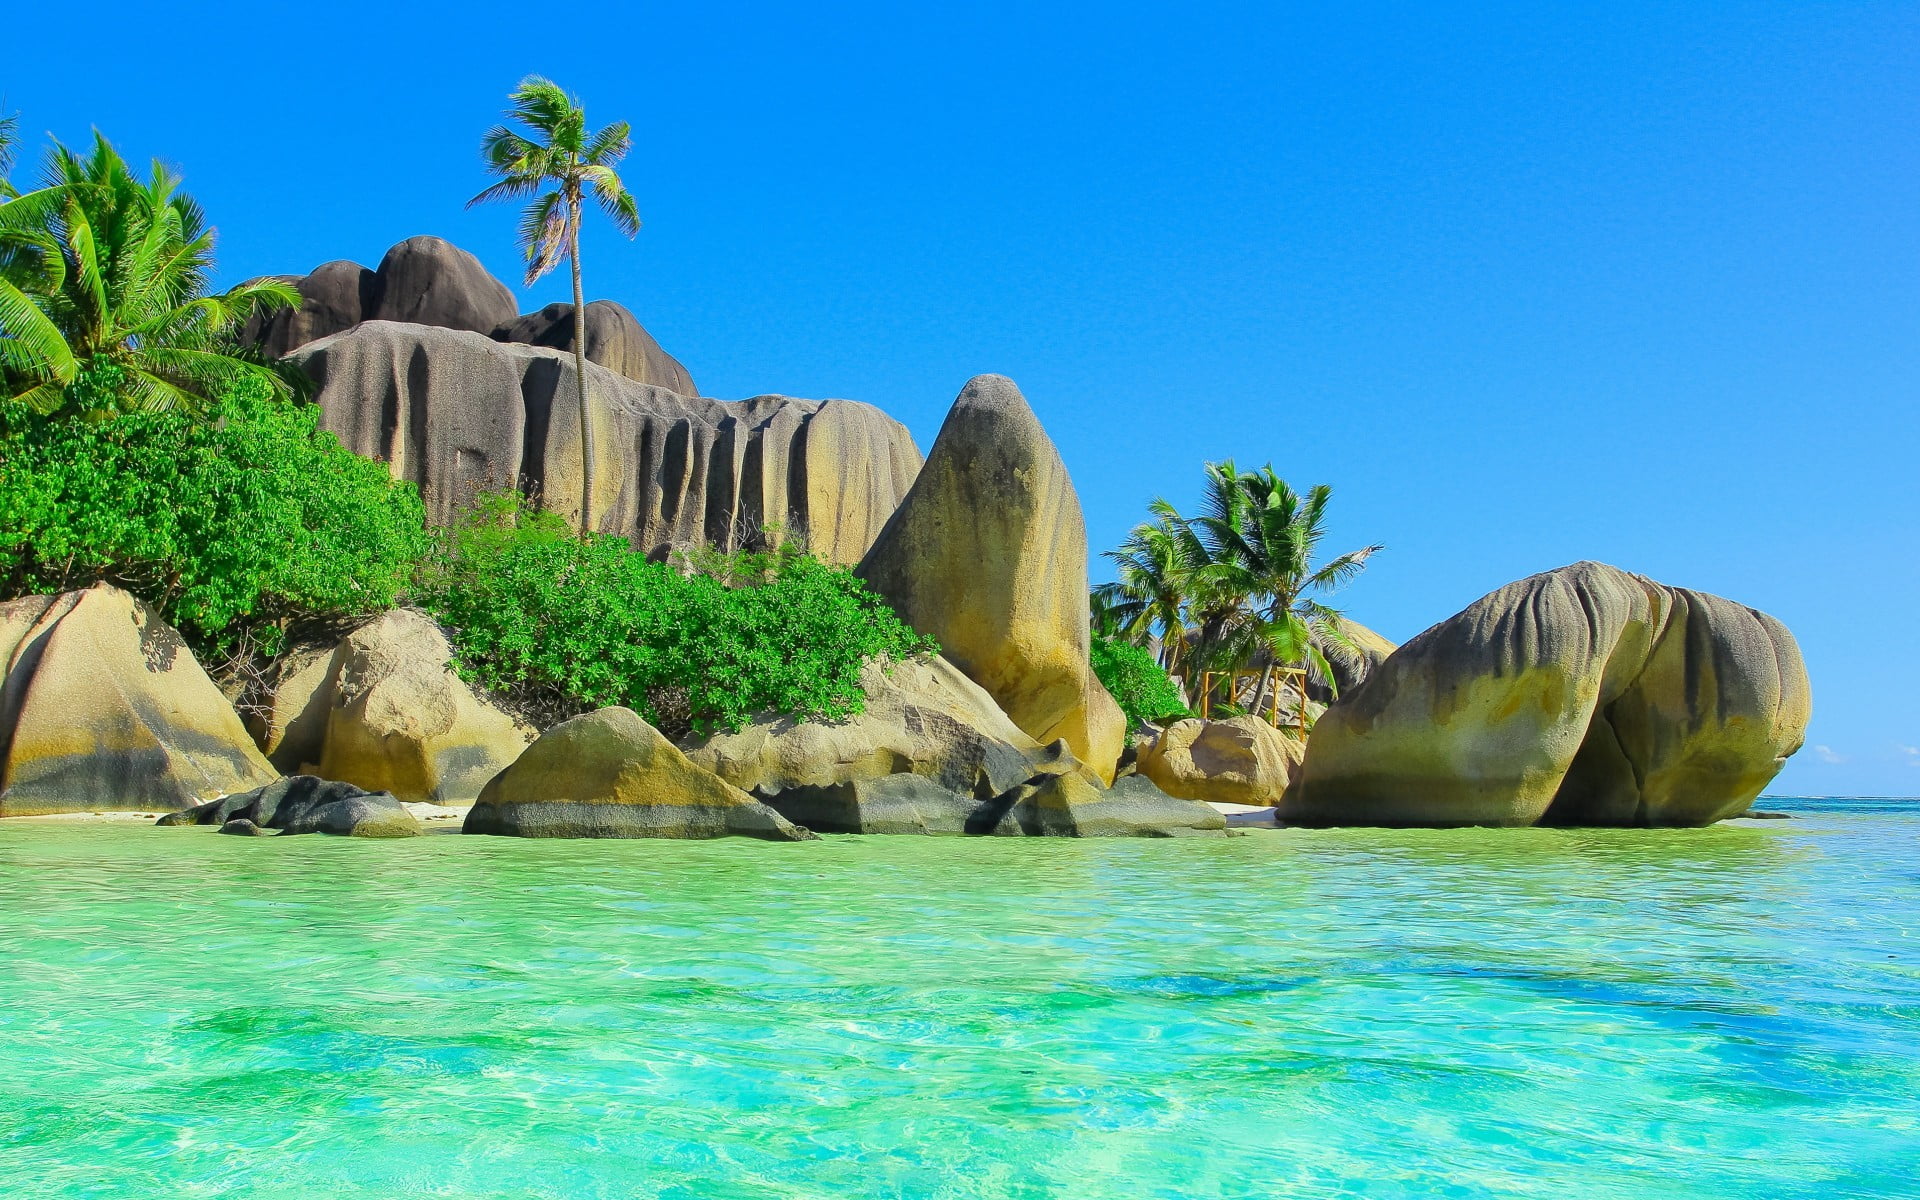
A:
[459,414]
[609,774]
[1240,760]
[304,804]
[103,707]
[988,553]
[1581,696]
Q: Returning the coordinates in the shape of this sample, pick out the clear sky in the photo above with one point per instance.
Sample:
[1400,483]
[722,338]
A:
[1525,285]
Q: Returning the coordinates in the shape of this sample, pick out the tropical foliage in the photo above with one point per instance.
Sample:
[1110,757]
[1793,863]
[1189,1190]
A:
[233,525]
[104,300]
[558,624]
[1236,584]
[1138,683]
[559,162]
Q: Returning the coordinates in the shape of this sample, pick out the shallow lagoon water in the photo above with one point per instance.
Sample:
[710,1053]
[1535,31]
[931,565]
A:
[1729,1012]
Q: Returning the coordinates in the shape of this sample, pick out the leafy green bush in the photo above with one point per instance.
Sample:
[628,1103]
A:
[555,624]
[233,524]
[1143,690]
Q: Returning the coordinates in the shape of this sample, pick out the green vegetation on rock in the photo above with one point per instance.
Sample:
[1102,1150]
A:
[1141,686]
[233,524]
[556,624]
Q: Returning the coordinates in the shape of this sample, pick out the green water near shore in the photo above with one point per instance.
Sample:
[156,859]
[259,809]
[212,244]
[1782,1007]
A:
[1730,1012]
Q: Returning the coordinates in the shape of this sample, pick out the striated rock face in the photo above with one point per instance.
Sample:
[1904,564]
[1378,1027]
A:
[304,804]
[430,281]
[104,707]
[458,414]
[615,340]
[1580,696]
[988,553]
[1241,760]
[1374,650]
[610,774]
[397,719]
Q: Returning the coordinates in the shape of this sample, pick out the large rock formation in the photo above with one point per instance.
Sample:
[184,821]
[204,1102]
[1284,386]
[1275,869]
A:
[305,804]
[104,707]
[988,553]
[1241,760]
[933,754]
[387,713]
[458,413]
[430,281]
[922,718]
[1583,696]
[610,774]
[615,340]
[1350,674]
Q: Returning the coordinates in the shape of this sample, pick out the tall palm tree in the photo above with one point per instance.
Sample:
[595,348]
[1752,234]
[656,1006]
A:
[103,292]
[1235,583]
[1264,537]
[563,154]
[1148,599]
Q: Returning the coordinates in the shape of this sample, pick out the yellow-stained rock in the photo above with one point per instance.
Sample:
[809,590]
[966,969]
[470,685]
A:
[988,553]
[1240,760]
[104,707]
[922,717]
[399,720]
[610,774]
[1583,696]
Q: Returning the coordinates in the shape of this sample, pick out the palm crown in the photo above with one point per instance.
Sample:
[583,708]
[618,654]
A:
[103,282]
[561,153]
[1235,582]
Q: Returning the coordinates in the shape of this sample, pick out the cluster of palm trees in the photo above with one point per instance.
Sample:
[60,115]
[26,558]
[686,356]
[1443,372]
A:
[1233,587]
[104,300]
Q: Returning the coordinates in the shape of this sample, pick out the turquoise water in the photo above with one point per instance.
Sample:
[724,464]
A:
[1729,1012]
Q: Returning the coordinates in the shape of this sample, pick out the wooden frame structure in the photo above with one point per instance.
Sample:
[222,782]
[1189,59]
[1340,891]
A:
[1273,677]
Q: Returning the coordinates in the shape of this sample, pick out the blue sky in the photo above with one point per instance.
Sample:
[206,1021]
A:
[1525,284]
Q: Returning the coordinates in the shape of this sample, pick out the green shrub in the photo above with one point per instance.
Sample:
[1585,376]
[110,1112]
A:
[555,625]
[1143,690]
[233,524]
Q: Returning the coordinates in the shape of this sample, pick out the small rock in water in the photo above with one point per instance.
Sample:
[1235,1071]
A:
[1767,816]
[244,828]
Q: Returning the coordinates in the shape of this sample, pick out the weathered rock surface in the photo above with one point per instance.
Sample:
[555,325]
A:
[988,553]
[610,774]
[933,754]
[430,281]
[1582,696]
[399,720]
[615,340]
[923,718]
[459,414]
[304,804]
[1241,760]
[1349,675]
[104,707]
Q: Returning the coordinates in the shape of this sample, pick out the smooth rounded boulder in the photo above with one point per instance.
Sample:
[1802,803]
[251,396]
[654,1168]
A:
[609,774]
[988,554]
[304,804]
[615,340]
[104,707]
[1580,696]
[1240,760]
[399,720]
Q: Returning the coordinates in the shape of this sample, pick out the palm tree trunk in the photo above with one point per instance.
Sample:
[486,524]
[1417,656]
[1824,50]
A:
[580,374]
